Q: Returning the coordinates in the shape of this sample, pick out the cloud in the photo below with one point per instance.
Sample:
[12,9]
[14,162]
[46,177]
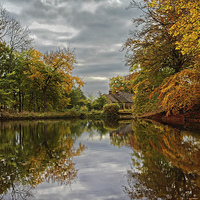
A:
[95,28]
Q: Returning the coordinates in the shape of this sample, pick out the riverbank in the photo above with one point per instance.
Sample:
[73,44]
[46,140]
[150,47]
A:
[69,114]
[189,119]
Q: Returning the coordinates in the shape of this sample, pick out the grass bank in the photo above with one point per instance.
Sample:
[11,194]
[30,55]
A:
[69,114]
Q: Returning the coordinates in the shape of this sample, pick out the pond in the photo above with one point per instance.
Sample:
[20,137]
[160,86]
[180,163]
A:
[137,159]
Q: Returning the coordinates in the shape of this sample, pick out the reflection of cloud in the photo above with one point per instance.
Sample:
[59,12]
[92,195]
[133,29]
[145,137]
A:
[101,171]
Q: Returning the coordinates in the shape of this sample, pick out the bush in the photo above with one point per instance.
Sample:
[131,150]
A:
[111,109]
[73,113]
[84,108]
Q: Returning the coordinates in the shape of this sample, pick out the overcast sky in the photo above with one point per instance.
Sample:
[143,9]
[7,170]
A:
[96,29]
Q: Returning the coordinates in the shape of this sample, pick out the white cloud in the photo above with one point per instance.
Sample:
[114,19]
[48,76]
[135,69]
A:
[115,2]
[99,78]
[90,7]
[55,28]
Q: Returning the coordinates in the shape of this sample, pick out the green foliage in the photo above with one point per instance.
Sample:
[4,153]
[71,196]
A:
[76,98]
[111,110]
[30,80]
[99,102]
[83,108]
[73,113]
[119,83]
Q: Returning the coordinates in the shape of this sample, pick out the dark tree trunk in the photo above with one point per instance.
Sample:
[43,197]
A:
[20,101]
[45,99]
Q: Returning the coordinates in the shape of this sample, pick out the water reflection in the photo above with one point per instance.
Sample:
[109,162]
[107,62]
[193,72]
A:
[34,152]
[165,161]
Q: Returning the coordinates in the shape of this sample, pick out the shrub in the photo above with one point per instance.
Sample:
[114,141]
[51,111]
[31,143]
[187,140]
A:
[111,109]
[73,113]
[84,108]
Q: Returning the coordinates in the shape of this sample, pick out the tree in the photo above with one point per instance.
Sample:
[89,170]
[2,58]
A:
[3,23]
[99,102]
[181,91]
[13,39]
[4,81]
[18,39]
[152,52]
[186,25]
[75,97]
[119,83]
[14,35]
[53,76]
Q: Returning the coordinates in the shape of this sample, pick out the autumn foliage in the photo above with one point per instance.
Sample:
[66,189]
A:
[164,52]
[31,80]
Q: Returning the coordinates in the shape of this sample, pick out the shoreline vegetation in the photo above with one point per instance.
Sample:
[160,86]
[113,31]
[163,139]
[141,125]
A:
[70,114]
[164,71]
[191,118]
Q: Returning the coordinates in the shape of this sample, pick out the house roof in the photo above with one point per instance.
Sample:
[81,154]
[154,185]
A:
[111,98]
[120,97]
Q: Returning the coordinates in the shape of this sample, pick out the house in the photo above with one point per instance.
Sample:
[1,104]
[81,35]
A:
[125,100]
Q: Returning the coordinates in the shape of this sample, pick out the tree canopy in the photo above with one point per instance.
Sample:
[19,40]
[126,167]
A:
[163,55]
[31,80]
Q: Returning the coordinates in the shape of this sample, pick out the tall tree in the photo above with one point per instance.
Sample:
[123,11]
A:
[53,75]
[76,97]
[186,24]
[4,76]
[3,23]
[11,32]
[18,39]
[152,51]
[182,91]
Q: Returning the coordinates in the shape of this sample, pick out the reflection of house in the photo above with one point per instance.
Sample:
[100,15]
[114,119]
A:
[122,98]
[126,128]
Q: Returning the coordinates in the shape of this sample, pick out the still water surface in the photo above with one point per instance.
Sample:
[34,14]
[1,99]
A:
[58,160]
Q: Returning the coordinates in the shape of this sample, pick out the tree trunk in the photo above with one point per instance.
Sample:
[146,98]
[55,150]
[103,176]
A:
[20,101]
[10,62]
[45,99]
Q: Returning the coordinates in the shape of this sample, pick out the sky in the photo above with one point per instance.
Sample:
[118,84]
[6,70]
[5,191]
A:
[95,29]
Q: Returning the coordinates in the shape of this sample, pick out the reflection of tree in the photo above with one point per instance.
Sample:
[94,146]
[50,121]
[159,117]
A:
[31,153]
[111,124]
[20,192]
[124,136]
[165,162]
[159,179]
[94,127]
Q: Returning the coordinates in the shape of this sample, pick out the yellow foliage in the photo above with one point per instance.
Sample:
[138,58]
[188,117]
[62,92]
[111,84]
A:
[186,25]
[180,91]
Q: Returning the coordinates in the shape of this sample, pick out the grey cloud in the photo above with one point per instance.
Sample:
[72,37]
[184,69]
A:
[95,87]
[98,32]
